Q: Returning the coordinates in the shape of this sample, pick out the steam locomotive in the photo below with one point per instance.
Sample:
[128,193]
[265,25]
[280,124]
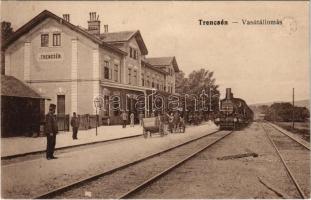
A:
[234,113]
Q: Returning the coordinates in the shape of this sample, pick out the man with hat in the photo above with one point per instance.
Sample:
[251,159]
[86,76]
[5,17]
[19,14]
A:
[75,122]
[50,131]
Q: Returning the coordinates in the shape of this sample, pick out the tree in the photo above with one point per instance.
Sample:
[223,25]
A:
[181,83]
[6,32]
[263,109]
[202,80]
[199,82]
[301,114]
[283,112]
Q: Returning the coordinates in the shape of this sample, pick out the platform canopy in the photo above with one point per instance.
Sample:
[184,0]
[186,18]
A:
[11,86]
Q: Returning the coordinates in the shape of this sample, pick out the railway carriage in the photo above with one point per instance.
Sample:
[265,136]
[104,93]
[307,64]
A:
[234,113]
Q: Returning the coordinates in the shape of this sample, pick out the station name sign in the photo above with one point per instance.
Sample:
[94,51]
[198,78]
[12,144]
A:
[50,56]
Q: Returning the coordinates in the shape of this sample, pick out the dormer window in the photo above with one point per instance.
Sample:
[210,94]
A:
[56,39]
[44,40]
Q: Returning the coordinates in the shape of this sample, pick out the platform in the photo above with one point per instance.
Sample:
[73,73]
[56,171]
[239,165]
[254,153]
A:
[16,146]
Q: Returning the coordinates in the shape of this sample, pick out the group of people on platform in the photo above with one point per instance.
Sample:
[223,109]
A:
[170,120]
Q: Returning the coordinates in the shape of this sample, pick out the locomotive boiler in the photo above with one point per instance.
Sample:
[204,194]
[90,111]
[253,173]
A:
[234,113]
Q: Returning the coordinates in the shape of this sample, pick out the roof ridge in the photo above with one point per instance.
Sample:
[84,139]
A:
[163,61]
[120,31]
[45,14]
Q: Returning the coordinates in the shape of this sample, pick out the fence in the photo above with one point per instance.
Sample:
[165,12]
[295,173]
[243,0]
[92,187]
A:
[63,122]
[88,121]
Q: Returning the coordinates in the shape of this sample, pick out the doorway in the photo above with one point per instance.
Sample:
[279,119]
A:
[62,118]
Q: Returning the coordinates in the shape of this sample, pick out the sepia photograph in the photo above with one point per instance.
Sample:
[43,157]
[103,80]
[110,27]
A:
[155,100]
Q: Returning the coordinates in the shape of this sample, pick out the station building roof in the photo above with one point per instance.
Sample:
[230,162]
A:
[47,14]
[154,68]
[163,61]
[124,36]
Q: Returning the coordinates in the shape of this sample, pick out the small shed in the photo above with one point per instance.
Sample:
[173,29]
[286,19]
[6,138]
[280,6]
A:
[22,108]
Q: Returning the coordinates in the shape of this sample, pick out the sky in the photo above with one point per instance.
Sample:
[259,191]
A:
[261,63]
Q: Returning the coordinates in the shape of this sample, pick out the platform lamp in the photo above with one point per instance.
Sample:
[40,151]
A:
[98,103]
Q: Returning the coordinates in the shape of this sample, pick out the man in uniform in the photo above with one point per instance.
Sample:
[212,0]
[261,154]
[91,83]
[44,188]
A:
[51,130]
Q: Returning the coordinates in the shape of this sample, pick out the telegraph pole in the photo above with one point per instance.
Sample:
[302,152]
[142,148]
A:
[293,116]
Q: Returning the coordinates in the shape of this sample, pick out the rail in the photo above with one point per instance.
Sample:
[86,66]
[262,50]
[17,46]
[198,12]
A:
[159,175]
[291,137]
[285,165]
[67,187]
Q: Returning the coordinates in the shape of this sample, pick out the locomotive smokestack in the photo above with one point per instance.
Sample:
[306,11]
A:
[228,93]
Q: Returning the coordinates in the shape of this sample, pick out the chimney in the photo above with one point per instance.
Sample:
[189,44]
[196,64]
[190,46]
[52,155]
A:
[106,28]
[228,93]
[94,24]
[66,17]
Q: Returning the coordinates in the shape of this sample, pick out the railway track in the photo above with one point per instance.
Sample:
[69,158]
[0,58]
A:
[302,142]
[126,180]
[287,148]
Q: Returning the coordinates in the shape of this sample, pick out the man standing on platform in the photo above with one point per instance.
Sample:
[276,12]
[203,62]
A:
[141,116]
[75,122]
[124,119]
[51,130]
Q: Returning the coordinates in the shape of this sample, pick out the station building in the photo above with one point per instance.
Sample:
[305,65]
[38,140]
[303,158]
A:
[169,65]
[72,65]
